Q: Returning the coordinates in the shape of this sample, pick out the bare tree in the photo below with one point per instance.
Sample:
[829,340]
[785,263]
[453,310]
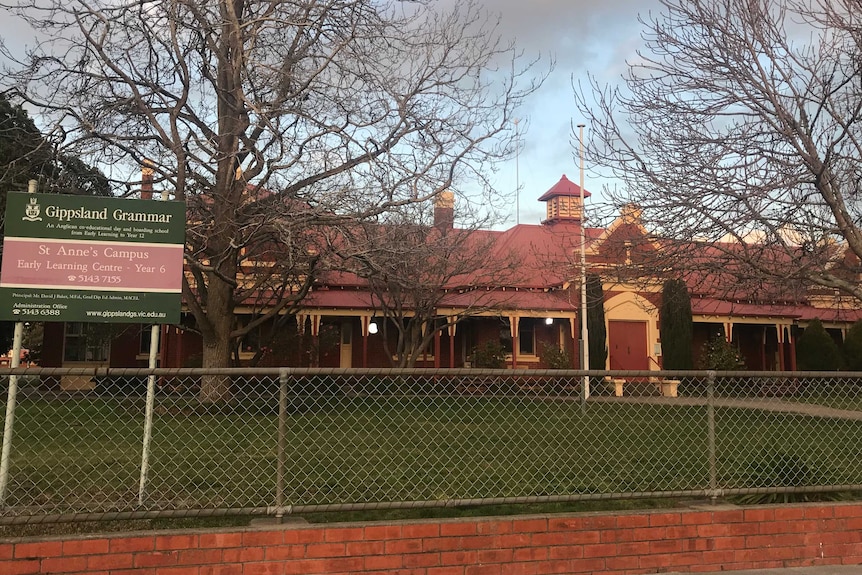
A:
[738,132]
[423,277]
[343,107]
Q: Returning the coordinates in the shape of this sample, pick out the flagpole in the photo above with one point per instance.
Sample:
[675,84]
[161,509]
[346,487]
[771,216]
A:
[517,174]
[585,340]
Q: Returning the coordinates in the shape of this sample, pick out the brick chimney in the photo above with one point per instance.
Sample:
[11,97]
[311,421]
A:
[444,211]
[147,181]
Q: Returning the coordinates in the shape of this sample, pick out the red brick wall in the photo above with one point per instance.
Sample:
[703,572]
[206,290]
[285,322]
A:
[610,544]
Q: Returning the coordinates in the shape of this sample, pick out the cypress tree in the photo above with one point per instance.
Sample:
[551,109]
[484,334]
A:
[597,331]
[675,324]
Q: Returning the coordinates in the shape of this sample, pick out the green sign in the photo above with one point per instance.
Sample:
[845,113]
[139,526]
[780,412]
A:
[92,259]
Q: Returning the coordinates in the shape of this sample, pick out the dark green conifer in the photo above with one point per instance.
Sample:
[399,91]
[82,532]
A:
[597,332]
[675,324]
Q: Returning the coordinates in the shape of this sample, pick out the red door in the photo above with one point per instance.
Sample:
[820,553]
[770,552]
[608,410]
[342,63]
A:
[628,345]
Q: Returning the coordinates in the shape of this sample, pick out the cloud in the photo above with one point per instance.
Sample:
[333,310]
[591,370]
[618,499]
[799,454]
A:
[584,37]
[15,35]
[571,30]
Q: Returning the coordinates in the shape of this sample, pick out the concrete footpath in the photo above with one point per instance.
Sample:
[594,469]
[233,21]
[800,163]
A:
[822,570]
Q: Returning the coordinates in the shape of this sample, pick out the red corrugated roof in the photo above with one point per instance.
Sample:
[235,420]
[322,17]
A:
[564,187]
[549,301]
[547,256]
[511,299]
[338,298]
[709,306]
[808,313]
[799,311]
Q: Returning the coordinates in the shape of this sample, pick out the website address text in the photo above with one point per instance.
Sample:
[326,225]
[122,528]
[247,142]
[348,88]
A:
[131,314]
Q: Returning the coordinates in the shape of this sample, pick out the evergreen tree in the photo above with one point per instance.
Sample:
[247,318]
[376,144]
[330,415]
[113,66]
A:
[26,155]
[23,156]
[816,350]
[852,349]
[597,331]
[71,175]
[676,325]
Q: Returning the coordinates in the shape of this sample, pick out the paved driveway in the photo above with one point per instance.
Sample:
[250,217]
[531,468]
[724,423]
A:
[823,570]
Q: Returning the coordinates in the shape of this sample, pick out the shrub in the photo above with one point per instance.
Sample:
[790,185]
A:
[784,470]
[555,358]
[816,350]
[852,349]
[489,355]
[720,355]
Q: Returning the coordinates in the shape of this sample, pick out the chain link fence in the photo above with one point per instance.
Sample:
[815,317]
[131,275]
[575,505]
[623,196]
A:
[143,443]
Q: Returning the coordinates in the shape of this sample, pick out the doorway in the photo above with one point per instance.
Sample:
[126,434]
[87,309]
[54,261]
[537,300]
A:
[627,345]
[346,345]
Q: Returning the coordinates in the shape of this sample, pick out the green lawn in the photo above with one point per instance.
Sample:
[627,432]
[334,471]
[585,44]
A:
[83,454]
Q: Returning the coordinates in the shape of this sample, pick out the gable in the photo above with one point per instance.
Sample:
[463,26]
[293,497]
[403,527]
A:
[625,241]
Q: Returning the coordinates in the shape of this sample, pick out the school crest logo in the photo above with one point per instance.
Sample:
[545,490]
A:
[33,211]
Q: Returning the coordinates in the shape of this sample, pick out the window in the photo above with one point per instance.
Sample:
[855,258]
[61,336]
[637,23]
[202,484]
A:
[527,337]
[86,342]
[259,339]
[506,339]
[251,341]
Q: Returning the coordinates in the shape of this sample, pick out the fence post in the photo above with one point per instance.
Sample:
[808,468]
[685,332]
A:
[6,453]
[282,444]
[710,426]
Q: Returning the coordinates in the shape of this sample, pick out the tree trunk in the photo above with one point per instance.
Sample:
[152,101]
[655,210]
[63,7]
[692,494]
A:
[217,342]
[216,354]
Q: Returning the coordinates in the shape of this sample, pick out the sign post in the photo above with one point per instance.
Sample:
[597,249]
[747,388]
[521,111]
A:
[89,259]
[11,397]
[155,332]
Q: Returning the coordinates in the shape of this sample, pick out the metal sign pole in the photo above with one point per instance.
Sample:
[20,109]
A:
[148,413]
[10,412]
[11,399]
[155,332]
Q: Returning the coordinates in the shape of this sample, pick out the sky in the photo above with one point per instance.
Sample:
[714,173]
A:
[584,37]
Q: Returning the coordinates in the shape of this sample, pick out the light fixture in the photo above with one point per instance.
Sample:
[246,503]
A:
[372,328]
[549,321]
